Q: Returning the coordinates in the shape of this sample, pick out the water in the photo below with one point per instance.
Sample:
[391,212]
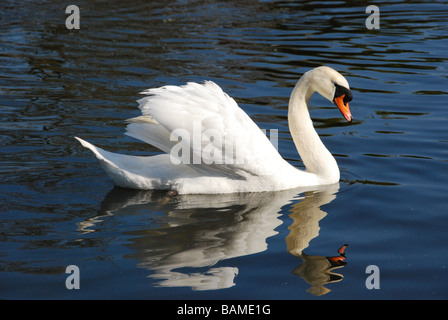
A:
[60,209]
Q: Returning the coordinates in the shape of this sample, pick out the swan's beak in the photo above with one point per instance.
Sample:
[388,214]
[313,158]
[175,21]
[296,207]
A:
[339,101]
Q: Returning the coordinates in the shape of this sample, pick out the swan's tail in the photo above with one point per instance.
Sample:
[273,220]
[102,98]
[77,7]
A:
[99,153]
[128,171]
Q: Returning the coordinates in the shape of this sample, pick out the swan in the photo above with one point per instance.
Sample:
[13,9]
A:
[212,146]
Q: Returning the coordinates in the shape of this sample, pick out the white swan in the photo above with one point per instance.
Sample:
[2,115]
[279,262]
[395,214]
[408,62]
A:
[220,149]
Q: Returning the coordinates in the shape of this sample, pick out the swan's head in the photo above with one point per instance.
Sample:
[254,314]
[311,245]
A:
[333,86]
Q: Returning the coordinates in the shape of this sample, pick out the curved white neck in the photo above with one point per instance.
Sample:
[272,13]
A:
[315,156]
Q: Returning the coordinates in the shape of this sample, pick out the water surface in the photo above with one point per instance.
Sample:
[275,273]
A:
[60,209]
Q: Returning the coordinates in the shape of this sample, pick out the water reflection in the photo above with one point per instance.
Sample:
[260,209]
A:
[187,241]
[306,214]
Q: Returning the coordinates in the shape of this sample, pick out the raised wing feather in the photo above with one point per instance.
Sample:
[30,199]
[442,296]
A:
[200,124]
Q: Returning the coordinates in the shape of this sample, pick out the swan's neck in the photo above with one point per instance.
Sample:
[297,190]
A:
[315,156]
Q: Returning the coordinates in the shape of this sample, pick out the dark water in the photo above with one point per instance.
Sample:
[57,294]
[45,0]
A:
[58,208]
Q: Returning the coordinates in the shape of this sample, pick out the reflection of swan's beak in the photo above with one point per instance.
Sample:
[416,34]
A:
[339,101]
[339,261]
[341,250]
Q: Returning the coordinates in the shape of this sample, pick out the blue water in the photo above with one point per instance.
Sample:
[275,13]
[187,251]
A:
[58,208]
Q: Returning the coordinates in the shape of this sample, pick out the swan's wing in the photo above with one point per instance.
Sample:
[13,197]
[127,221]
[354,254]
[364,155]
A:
[212,127]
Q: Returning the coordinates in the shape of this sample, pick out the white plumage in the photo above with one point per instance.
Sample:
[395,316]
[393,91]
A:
[211,145]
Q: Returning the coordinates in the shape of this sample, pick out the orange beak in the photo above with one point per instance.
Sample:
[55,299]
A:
[339,101]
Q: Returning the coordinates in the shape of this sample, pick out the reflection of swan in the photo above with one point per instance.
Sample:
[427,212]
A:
[306,214]
[196,232]
[223,150]
[188,240]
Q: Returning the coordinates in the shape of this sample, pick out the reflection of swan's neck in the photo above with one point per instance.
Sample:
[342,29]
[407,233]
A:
[315,156]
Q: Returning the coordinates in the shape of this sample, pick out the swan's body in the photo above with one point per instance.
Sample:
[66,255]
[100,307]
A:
[223,150]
